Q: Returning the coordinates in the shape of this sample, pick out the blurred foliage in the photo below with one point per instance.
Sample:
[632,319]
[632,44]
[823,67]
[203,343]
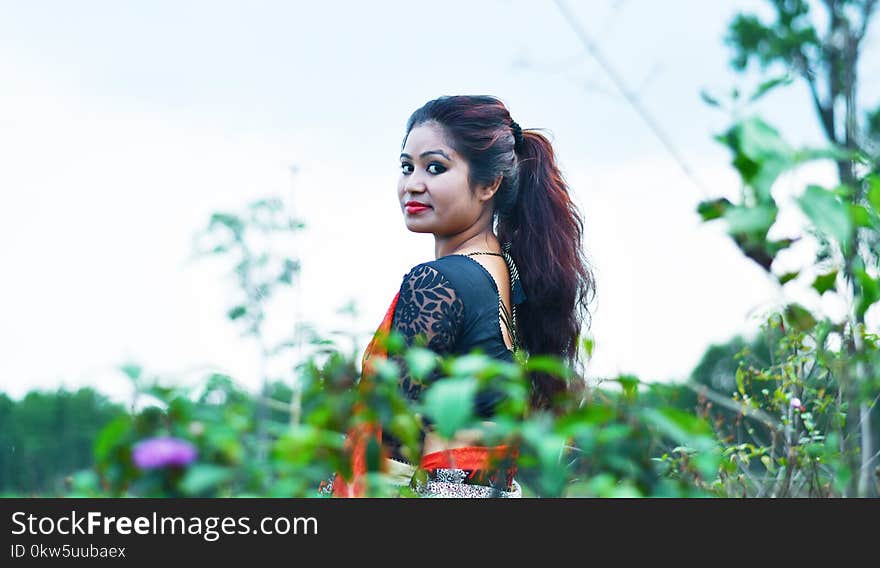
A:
[783,424]
[803,422]
[820,43]
[606,447]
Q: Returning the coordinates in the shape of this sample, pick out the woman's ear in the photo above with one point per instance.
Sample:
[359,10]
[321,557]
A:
[486,192]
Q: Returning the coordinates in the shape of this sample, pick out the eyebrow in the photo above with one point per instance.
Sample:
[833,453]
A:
[429,152]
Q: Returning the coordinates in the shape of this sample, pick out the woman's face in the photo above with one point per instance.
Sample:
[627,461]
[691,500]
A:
[433,174]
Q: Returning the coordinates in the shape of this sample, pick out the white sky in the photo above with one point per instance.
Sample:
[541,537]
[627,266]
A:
[124,125]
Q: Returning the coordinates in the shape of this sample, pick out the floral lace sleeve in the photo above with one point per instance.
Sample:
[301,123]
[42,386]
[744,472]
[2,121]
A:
[429,307]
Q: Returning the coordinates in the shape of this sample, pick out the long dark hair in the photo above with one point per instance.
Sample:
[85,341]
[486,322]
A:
[534,212]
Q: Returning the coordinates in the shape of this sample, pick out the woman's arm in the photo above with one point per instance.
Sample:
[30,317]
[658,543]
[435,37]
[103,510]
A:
[429,312]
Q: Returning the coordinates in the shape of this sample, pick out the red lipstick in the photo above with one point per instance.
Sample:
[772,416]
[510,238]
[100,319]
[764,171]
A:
[413,207]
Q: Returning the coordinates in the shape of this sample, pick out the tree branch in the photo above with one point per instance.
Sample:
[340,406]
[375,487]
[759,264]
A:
[867,11]
[745,409]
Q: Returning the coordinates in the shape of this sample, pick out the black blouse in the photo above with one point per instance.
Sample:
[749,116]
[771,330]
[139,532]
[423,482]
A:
[454,302]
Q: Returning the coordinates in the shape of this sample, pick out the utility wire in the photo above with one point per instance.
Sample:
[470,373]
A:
[630,97]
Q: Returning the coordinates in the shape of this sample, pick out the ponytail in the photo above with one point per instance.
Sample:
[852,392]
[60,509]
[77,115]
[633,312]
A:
[545,230]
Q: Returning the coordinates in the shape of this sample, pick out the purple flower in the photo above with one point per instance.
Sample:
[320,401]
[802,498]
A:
[163,452]
[796,404]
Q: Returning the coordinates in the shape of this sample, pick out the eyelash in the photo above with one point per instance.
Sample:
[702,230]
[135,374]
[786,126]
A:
[442,168]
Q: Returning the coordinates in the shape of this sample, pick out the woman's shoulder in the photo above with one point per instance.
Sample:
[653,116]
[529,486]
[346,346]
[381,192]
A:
[431,281]
[451,279]
[461,272]
[450,267]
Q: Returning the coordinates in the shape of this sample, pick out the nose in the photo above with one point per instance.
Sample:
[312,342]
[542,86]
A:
[414,187]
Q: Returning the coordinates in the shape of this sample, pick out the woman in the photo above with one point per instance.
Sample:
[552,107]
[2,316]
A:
[467,168]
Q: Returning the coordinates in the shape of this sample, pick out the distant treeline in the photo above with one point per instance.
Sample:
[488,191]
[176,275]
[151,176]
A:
[46,436]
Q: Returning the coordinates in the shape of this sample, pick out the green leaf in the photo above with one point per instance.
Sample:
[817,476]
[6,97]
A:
[228,220]
[836,153]
[759,154]
[237,312]
[682,427]
[85,482]
[860,216]
[708,463]
[760,141]
[601,485]
[588,344]
[709,99]
[612,433]
[549,364]
[759,219]
[842,476]
[773,247]
[815,450]
[799,317]
[449,402]
[828,213]
[387,370]
[625,489]
[373,454]
[630,385]
[111,436]
[405,426]
[788,277]
[200,478]
[740,380]
[393,342]
[869,293]
[586,419]
[825,282]
[713,208]
[469,365]
[768,86]
[291,267]
[132,370]
[421,362]
[874,192]
[547,444]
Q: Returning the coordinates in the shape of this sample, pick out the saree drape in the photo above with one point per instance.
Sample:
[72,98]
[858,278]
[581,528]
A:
[359,435]
[473,471]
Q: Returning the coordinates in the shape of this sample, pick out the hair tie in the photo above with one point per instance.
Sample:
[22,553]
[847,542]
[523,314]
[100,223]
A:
[517,136]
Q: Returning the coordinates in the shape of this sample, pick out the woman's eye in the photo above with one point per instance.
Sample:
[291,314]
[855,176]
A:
[438,168]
